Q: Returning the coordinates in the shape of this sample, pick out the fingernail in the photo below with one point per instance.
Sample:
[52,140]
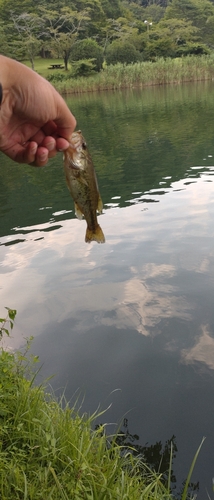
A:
[50,146]
[43,157]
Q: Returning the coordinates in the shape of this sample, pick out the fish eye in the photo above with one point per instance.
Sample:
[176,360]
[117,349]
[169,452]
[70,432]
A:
[84,145]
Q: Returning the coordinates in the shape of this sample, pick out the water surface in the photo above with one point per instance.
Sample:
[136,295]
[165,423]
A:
[130,322]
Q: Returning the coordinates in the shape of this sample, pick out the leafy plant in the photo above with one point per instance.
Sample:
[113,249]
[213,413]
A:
[8,322]
[59,76]
[84,67]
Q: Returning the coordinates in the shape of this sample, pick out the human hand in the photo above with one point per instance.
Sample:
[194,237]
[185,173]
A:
[35,121]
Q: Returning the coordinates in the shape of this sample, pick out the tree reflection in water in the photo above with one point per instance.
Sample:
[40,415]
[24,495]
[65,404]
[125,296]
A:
[158,457]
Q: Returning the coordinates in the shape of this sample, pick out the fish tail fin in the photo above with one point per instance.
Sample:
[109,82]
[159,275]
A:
[95,235]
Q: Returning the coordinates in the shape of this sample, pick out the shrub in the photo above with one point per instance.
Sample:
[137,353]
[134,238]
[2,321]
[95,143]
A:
[84,67]
[88,49]
[57,77]
[123,52]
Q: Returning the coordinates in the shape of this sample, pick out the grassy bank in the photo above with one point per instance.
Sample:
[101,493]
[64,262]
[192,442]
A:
[51,452]
[169,71]
[48,451]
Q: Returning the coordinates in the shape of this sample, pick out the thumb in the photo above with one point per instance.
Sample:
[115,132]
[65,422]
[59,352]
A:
[65,121]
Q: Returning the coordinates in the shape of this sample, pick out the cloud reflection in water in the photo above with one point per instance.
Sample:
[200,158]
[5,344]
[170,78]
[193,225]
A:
[134,281]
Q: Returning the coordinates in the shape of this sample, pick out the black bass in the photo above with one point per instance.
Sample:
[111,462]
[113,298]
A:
[82,184]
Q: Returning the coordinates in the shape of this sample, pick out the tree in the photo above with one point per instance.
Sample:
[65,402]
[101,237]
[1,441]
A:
[29,29]
[63,28]
[179,30]
[199,12]
[121,28]
[172,38]
[87,49]
[123,52]
[146,3]
[111,8]
[96,21]
[15,6]
[5,49]
[160,47]
[154,12]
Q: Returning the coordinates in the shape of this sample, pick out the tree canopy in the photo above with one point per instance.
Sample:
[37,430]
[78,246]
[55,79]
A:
[151,28]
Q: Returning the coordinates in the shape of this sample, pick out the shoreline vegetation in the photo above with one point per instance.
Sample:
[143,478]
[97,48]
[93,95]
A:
[48,450]
[137,75]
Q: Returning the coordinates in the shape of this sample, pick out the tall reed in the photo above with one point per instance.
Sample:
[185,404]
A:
[163,71]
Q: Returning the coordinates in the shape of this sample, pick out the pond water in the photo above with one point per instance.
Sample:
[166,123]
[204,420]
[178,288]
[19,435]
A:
[129,323]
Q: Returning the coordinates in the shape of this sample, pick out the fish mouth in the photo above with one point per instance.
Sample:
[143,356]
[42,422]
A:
[75,140]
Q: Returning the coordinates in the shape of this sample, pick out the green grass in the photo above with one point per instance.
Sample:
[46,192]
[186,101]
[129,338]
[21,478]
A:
[163,71]
[41,66]
[48,451]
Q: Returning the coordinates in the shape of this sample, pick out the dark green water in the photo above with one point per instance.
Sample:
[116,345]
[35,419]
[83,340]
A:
[135,314]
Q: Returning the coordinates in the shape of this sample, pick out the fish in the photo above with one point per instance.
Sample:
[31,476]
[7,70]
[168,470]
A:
[82,184]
